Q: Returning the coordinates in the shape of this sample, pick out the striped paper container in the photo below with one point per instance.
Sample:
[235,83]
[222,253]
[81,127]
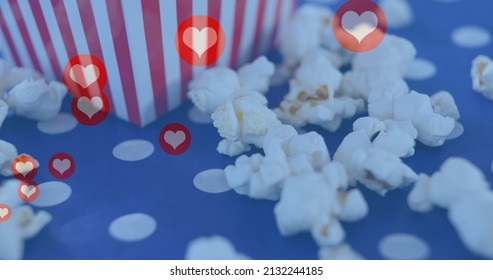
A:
[135,40]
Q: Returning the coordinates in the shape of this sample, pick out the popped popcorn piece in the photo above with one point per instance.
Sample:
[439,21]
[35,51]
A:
[396,137]
[482,75]
[306,202]
[328,231]
[36,100]
[4,109]
[394,54]
[256,75]
[210,89]
[342,251]
[380,170]
[243,119]
[304,33]
[419,197]
[377,166]
[433,128]
[336,176]
[353,206]
[456,178]
[257,177]
[443,103]
[286,154]
[382,82]
[397,12]
[24,224]
[471,217]
[8,153]
[312,98]
[9,78]
[213,248]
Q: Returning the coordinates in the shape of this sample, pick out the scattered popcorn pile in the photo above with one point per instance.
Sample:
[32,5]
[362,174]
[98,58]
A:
[313,191]
[24,92]
[24,223]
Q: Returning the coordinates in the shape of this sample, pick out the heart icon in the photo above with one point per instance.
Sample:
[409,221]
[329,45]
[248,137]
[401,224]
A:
[84,76]
[175,139]
[28,191]
[24,168]
[61,165]
[4,212]
[199,40]
[359,26]
[90,106]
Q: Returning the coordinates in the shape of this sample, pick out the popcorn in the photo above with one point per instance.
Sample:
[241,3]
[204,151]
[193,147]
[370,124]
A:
[243,119]
[312,100]
[36,100]
[304,33]
[340,252]
[256,75]
[4,109]
[471,216]
[396,137]
[377,166]
[328,232]
[216,85]
[213,248]
[353,206]
[397,12]
[381,82]
[381,171]
[419,197]
[9,78]
[482,75]
[456,178]
[23,224]
[394,54]
[210,89]
[433,128]
[286,154]
[8,153]
[443,103]
[307,202]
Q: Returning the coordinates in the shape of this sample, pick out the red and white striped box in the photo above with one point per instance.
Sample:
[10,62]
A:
[135,40]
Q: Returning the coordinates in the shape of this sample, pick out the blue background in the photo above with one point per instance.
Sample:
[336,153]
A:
[105,188]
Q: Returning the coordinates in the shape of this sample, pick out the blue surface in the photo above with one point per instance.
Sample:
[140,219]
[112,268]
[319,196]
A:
[105,188]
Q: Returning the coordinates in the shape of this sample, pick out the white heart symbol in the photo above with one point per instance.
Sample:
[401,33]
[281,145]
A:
[61,165]
[175,139]
[359,26]
[200,40]
[84,76]
[24,168]
[4,212]
[90,106]
[28,190]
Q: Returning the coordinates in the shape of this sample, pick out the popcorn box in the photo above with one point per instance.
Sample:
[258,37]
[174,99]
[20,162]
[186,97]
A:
[136,41]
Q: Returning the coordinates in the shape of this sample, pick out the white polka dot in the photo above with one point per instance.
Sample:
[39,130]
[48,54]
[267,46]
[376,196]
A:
[421,69]
[62,123]
[211,181]
[402,246]
[52,193]
[133,150]
[197,116]
[471,37]
[132,227]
